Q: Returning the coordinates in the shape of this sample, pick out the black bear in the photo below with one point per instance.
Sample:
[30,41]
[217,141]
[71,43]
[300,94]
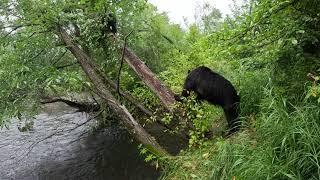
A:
[109,23]
[112,23]
[217,90]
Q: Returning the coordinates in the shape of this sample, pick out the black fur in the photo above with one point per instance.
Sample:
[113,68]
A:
[217,90]
[110,23]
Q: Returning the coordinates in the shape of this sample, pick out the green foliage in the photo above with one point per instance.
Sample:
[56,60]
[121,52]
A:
[208,18]
[267,53]
[314,92]
[266,49]
[199,118]
[148,153]
[281,148]
[145,96]
[35,63]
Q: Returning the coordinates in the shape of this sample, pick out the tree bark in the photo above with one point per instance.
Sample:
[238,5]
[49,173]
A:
[113,86]
[81,106]
[126,95]
[149,78]
[132,126]
[129,97]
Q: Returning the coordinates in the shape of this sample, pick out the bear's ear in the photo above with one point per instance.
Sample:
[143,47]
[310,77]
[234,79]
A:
[189,71]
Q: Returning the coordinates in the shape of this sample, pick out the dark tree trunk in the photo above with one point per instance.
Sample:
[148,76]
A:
[81,106]
[149,78]
[126,95]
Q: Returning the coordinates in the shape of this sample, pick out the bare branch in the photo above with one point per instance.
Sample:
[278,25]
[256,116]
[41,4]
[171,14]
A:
[39,32]
[12,30]
[57,60]
[121,62]
[81,106]
[67,65]
[38,54]
[30,148]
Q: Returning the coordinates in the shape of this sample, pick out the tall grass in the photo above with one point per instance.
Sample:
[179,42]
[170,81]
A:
[280,141]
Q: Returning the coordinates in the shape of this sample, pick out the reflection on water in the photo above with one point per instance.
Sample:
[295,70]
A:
[60,147]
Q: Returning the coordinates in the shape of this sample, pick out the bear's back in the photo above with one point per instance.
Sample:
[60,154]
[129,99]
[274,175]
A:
[212,86]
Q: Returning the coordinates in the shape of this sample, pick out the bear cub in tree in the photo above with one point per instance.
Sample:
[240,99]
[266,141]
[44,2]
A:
[217,90]
[109,23]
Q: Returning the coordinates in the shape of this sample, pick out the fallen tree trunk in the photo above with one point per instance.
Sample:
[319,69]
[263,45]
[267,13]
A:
[149,78]
[81,106]
[129,97]
[126,95]
[113,87]
[132,126]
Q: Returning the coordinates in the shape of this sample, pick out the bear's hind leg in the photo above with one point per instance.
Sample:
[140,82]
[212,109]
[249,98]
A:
[232,117]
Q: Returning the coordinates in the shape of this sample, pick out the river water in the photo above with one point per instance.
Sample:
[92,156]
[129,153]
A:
[63,145]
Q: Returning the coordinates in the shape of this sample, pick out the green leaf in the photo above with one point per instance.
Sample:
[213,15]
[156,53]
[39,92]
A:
[301,31]
[193,175]
[294,41]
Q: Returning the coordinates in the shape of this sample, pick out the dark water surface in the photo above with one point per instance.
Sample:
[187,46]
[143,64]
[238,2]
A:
[59,148]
